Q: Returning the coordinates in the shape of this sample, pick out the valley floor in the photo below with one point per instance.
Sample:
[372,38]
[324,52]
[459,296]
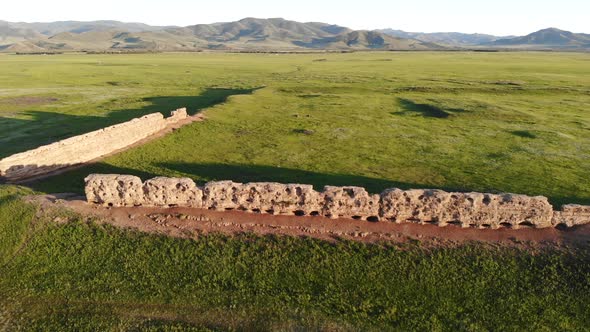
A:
[62,270]
[488,122]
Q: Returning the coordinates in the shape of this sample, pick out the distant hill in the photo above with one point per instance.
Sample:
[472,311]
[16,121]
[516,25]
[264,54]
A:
[253,33]
[444,38]
[10,33]
[52,28]
[246,34]
[548,38]
[253,29]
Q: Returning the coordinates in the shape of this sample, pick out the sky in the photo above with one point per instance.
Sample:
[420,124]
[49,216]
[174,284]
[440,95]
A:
[498,17]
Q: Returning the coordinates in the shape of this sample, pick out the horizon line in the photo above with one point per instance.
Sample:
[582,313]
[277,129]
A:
[270,18]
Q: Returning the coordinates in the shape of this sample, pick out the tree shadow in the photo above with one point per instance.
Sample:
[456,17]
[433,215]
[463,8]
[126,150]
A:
[426,110]
[43,128]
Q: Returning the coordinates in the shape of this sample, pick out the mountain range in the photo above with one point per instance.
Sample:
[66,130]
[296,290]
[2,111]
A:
[548,38]
[446,38]
[247,34]
[253,34]
[551,38]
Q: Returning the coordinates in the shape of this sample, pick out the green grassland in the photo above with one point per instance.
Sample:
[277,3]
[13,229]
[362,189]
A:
[80,276]
[515,122]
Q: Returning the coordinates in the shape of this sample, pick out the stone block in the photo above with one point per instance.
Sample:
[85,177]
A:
[162,191]
[349,202]
[114,190]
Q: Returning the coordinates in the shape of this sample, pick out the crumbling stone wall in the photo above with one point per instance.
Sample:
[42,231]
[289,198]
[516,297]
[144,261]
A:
[267,197]
[84,148]
[465,209]
[572,215]
[419,205]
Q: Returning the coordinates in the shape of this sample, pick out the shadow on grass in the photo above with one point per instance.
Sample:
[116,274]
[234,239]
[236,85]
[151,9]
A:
[260,173]
[47,127]
[73,181]
[426,110]
[523,134]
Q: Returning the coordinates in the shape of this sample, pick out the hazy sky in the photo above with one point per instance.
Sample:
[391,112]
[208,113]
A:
[500,17]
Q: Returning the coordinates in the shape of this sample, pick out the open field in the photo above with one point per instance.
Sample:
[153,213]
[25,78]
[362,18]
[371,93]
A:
[515,122]
[496,122]
[79,276]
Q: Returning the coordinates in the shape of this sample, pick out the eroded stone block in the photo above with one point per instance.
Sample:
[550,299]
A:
[350,202]
[114,189]
[277,198]
[572,215]
[466,209]
[222,195]
[413,205]
[162,191]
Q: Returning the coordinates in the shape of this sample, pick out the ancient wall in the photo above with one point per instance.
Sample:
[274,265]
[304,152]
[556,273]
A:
[419,205]
[84,148]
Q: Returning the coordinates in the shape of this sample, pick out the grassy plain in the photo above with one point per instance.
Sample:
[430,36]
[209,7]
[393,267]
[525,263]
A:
[79,276]
[515,122]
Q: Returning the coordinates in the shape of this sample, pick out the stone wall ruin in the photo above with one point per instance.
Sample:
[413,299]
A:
[84,148]
[478,210]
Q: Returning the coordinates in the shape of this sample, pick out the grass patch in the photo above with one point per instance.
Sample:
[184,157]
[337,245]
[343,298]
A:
[15,219]
[81,276]
[462,117]
[470,107]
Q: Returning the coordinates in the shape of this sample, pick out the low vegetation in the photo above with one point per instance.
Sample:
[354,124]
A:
[84,277]
[512,122]
[497,122]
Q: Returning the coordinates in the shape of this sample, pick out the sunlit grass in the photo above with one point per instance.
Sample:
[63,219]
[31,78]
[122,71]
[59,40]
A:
[514,122]
[80,276]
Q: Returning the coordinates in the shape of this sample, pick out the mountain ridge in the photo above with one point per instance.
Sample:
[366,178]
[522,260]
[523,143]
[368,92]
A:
[257,34]
[445,38]
[246,34]
[549,37]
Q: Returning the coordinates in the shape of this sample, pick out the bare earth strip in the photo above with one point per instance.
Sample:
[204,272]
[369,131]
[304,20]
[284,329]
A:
[192,222]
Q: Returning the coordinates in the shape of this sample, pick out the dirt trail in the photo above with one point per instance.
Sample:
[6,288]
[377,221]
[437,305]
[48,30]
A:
[191,222]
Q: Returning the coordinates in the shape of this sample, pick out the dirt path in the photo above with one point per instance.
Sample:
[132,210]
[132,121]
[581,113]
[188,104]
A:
[190,223]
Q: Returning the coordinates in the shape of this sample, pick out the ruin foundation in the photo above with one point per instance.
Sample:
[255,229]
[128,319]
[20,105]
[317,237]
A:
[84,148]
[479,210]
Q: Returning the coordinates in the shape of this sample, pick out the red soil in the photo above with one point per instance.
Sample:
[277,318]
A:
[191,222]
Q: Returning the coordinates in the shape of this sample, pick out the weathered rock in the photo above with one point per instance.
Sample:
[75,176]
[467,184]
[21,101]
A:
[162,191]
[517,210]
[114,189]
[350,202]
[572,215]
[264,197]
[466,209]
[177,115]
[221,195]
[84,148]
[414,205]
[277,198]
[422,206]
